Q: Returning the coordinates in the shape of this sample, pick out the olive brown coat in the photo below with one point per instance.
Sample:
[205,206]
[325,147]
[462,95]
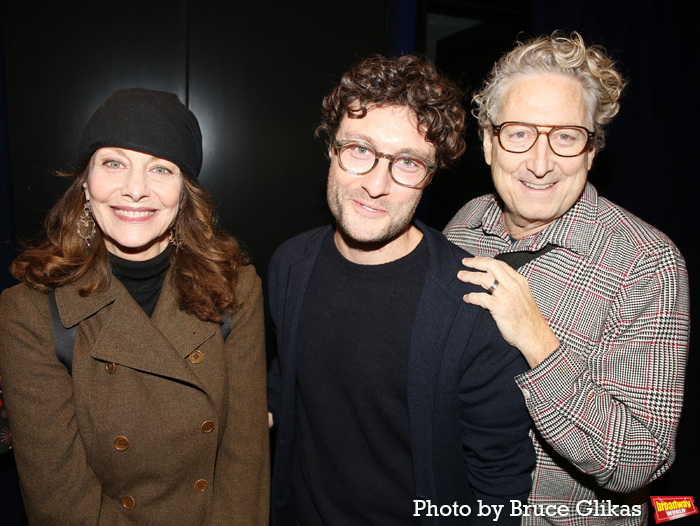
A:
[161,422]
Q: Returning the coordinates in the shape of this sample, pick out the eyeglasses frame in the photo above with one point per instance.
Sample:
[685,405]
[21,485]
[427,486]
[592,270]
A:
[431,166]
[497,132]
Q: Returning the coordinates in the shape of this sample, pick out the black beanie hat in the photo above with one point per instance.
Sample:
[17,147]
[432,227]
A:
[147,121]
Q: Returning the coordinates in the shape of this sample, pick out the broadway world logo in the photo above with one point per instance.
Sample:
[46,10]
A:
[670,508]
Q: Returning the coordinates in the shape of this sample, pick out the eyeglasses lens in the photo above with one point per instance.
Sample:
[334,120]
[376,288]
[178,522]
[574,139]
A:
[564,141]
[360,158]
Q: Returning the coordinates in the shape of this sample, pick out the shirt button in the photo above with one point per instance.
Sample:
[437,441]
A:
[110,367]
[121,444]
[207,426]
[526,394]
[128,502]
[196,356]
[201,485]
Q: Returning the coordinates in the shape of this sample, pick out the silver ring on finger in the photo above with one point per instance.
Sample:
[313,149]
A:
[493,287]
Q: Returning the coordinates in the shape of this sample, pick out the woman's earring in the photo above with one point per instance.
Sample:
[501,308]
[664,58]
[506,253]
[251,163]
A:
[175,240]
[86,225]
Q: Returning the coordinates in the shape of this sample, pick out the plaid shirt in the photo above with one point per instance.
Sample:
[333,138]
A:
[606,403]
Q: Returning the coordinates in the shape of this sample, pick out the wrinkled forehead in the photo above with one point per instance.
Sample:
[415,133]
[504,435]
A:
[545,98]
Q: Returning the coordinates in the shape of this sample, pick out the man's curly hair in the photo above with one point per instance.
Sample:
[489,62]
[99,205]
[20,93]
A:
[558,54]
[407,81]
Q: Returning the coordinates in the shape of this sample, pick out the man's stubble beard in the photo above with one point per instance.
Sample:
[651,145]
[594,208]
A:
[400,223]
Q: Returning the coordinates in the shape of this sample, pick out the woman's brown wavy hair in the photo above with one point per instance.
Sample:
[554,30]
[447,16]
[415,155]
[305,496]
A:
[204,269]
[407,81]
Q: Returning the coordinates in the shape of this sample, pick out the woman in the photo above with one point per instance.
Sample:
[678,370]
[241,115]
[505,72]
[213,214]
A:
[154,419]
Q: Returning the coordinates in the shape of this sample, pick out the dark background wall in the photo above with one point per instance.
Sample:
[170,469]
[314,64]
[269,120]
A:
[254,73]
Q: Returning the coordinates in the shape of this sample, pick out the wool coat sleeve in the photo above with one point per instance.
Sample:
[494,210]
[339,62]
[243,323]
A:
[243,462]
[63,490]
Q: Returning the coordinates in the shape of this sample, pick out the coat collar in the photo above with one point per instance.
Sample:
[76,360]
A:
[122,333]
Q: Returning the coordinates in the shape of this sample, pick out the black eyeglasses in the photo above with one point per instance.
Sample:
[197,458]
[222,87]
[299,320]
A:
[359,158]
[565,141]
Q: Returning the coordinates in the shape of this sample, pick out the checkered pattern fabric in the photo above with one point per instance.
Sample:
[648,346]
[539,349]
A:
[605,404]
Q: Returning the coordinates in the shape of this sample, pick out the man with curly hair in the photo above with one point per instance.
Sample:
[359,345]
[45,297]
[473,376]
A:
[394,401]
[601,313]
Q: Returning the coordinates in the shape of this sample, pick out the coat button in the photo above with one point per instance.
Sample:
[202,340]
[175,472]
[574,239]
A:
[128,502]
[201,485]
[526,394]
[207,426]
[111,367]
[121,444]
[196,356]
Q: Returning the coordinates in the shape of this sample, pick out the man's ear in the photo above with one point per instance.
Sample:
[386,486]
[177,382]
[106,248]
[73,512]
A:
[488,146]
[591,155]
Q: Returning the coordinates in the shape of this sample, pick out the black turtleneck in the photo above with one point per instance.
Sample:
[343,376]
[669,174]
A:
[143,279]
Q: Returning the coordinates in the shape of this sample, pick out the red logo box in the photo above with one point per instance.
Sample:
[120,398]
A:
[671,508]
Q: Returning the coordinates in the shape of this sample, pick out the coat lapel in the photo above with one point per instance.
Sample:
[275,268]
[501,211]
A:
[122,333]
[436,311]
[298,280]
[184,332]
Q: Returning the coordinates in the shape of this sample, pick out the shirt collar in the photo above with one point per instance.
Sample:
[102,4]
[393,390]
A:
[574,230]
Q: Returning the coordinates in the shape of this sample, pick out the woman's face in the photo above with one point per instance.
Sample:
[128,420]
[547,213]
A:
[134,199]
